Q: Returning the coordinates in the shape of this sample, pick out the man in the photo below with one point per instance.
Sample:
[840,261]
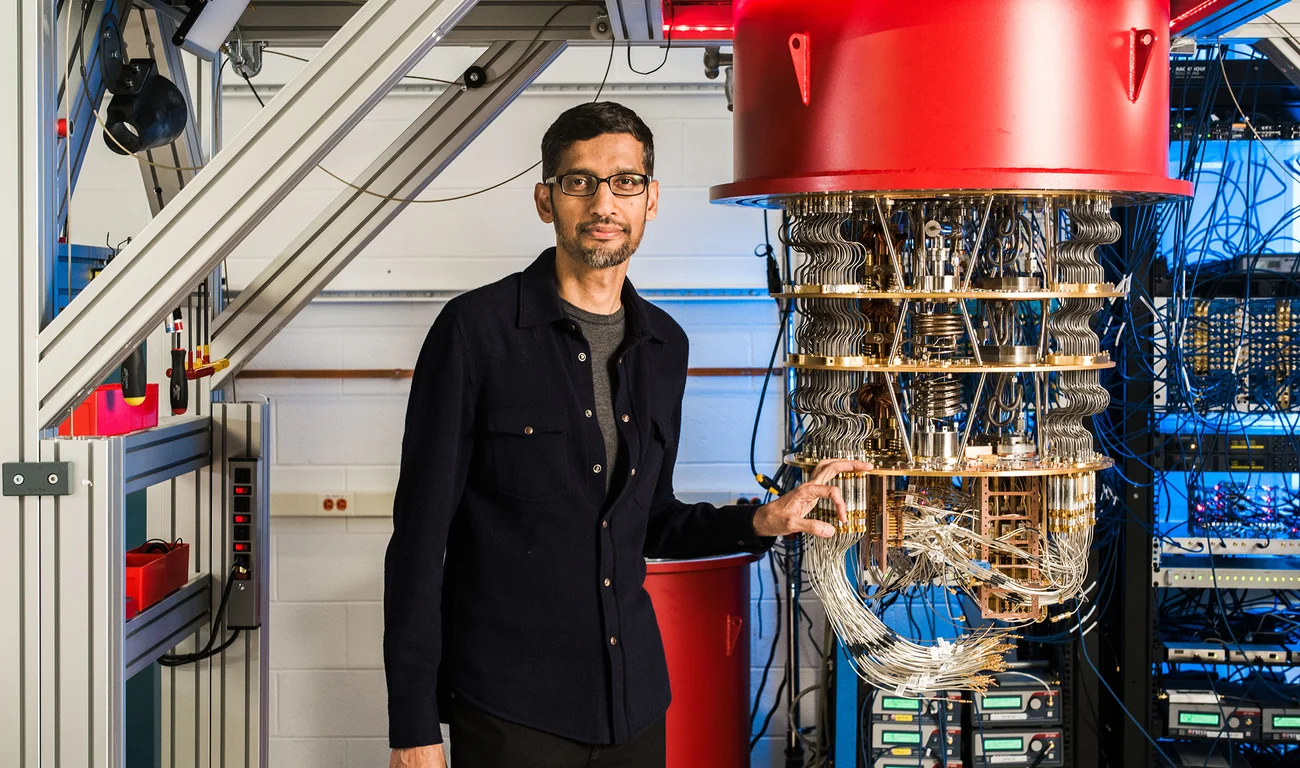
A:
[540,441]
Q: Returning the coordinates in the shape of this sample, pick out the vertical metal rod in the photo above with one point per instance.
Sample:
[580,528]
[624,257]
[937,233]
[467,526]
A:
[970,332]
[898,414]
[889,243]
[898,331]
[793,746]
[218,277]
[970,415]
[1049,235]
[975,251]
[791,375]
[1045,315]
[1040,411]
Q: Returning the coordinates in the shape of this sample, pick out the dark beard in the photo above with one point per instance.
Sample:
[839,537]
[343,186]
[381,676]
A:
[597,256]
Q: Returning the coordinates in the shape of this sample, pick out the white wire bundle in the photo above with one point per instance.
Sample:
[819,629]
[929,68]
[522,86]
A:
[941,546]
[880,655]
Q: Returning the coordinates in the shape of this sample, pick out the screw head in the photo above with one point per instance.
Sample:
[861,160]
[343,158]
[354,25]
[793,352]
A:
[18,479]
[52,478]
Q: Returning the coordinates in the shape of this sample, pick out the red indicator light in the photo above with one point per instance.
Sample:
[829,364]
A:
[241,518]
[243,490]
[241,547]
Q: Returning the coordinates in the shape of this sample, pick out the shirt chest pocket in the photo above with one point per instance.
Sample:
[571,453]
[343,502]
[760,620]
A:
[527,451]
[661,439]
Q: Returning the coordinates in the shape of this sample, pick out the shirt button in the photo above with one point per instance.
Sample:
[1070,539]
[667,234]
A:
[528,430]
[589,413]
[573,327]
[604,523]
[625,418]
[607,582]
[634,471]
[582,356]
[613,641]
[596,469]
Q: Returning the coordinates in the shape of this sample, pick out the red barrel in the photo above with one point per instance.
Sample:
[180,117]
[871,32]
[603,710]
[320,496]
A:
[703,611]
[935,95]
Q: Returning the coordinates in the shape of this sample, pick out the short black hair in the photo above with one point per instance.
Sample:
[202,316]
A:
[587,121]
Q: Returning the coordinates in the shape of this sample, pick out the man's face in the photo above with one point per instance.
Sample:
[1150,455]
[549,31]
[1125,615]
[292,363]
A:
[602,230]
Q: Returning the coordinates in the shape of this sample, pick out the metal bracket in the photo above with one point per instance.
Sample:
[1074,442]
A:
[1140,45]
[37,478]
[246,58]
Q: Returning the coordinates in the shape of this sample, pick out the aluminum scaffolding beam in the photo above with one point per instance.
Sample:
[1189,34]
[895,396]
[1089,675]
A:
[27,109]
[83,701]
[326,246]
[311,23]
[235,192]
[636,20]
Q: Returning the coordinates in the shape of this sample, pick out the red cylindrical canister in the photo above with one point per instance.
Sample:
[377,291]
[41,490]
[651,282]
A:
[703,611]
[938,95]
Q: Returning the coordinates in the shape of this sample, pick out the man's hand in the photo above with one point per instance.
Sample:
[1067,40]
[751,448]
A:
[789,512]
[418,757]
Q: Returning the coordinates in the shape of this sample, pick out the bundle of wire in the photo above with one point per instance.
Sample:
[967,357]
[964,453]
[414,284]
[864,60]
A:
[879,653]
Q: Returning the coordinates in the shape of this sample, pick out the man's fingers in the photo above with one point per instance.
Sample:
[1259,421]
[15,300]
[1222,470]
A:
[829,468]
[808,494]
[841,509]
[816,491]
[815,527]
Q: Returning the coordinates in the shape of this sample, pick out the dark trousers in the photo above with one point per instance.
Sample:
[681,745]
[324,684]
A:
[482,740]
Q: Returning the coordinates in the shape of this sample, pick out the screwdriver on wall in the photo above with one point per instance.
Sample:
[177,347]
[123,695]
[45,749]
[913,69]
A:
[179,386]
[134,379]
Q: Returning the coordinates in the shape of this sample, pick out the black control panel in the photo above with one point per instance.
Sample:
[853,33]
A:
[247,536]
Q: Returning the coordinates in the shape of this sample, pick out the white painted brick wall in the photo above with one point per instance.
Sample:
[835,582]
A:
[344,436]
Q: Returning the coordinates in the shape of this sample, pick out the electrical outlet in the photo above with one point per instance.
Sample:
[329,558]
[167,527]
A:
[339,504]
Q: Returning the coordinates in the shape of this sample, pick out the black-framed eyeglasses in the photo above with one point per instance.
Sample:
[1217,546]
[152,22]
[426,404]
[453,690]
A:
[585,184]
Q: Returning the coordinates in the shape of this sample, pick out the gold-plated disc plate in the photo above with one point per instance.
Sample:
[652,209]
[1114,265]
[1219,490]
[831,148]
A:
[971,468]
[857,291]
[827,363]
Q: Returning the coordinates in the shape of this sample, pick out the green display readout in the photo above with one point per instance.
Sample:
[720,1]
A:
[896,704]
[901,737]
[1004,744]
[1286,721]
[1198,718]
[1001,702]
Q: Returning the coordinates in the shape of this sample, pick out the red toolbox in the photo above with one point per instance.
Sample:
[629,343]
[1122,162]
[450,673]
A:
[152,574]
[105,413]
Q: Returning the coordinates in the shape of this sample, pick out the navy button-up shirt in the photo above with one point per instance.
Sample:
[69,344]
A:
[538,614]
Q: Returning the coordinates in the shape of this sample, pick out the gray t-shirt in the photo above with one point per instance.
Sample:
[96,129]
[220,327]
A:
[605,334]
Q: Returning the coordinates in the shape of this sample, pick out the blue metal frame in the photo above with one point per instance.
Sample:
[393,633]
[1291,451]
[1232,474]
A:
[1228,18]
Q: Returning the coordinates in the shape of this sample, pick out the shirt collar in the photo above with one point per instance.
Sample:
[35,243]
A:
[539,300]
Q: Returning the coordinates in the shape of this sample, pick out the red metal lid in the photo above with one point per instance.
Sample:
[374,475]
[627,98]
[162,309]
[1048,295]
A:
[951,95]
